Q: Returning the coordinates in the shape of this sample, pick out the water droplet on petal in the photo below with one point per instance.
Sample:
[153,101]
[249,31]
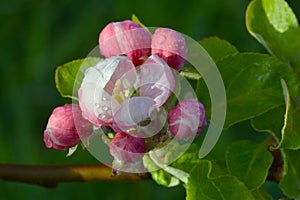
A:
[105,108]
[97,105]
[104,98]
[102,116]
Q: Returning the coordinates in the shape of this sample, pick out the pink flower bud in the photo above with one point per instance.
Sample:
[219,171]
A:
[126,37]
[127,148]
[187,119]
[169,45]
[65,127]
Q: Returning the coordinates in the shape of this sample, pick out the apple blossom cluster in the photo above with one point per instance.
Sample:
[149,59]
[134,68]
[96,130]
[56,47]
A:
[127,92]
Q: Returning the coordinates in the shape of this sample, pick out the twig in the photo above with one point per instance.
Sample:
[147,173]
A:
[50,176]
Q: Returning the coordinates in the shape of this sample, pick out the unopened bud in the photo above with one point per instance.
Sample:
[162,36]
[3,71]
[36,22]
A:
[127,148]
[65,127]
[169,45]
[126,37]
[187,119]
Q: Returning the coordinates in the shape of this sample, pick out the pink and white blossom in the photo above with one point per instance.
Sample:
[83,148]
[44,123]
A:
[99,85]
[187,119]
[115,93]
[132,112]
[156,80]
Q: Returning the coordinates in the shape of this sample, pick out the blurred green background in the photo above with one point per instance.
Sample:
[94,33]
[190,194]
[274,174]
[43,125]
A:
[36,36]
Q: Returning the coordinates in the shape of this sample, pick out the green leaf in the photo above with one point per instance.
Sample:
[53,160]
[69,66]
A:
[219,168]
[217,48]
[249,162]
[156,161]
[261,195]
[202,185]
[252,83]
[270,122]
[280,15]
[179,169]
[290,134]
[160,176]
[291,179]
[290,137]
[274,25]
[282,123]
[165,179]
[189,158]
[68,77]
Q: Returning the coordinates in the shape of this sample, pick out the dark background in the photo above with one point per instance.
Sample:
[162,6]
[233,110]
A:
[36,36]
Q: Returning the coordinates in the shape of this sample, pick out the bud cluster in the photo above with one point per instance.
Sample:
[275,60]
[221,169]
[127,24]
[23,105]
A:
[128,92]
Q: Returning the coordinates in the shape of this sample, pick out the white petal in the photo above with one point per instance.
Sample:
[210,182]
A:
[156,80]
[133,111]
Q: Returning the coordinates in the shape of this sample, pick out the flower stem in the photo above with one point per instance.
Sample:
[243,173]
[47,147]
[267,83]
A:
[50,176]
